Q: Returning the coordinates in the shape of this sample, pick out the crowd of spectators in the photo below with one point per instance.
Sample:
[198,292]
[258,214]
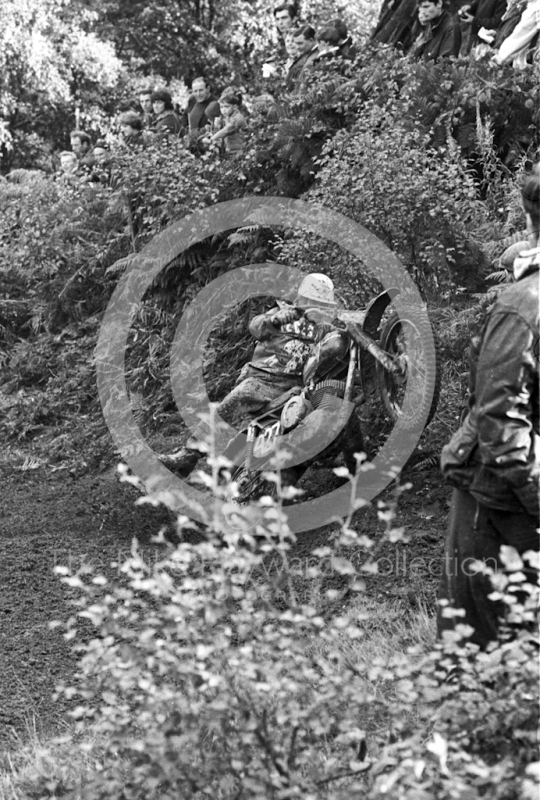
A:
[503,30]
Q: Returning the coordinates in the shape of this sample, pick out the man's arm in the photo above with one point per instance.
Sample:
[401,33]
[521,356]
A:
[507,374]
[264,326]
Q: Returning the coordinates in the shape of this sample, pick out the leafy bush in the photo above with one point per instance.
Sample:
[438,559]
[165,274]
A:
[358,139]
[210,676]
[419,201]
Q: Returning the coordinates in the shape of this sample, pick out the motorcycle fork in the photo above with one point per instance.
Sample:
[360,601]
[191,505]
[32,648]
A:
[349,384]
[250,443]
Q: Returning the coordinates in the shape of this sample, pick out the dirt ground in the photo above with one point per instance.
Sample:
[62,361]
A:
[55,517]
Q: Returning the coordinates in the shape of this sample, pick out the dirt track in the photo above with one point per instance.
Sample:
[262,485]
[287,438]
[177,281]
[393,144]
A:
[51,518]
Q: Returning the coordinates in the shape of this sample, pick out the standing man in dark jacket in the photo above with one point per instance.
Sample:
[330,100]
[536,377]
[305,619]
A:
[493,461]
[306,55]
[440,34]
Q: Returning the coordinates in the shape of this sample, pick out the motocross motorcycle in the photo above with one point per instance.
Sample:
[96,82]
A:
[386,355]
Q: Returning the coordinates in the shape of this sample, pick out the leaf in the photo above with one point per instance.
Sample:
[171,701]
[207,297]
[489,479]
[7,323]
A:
[439,747]
[511,558]
[343,566]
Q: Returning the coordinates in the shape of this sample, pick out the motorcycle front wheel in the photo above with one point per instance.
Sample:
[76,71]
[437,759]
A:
[251,486]
[412,394]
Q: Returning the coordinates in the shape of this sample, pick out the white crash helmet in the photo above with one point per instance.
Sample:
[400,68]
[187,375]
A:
[316,290]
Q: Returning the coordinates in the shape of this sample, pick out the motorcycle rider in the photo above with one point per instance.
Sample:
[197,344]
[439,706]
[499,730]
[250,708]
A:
[286,336]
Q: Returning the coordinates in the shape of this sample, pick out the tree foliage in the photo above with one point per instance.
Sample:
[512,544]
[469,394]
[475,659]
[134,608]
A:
[49,59]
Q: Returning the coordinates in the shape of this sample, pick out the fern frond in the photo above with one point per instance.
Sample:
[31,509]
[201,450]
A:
[500,276]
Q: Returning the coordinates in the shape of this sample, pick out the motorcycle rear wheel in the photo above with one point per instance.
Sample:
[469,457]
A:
[421,370]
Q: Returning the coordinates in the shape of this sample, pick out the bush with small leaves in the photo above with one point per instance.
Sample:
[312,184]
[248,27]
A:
[208,677]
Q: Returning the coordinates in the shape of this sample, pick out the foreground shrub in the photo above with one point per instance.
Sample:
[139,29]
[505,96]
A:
[208,677]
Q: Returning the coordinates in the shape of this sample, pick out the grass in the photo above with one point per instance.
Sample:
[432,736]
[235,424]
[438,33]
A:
[48,767]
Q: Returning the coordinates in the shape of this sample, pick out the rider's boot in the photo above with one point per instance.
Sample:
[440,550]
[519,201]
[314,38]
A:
[182,462]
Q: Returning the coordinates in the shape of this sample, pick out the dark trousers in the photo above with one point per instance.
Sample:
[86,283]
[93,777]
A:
[476,532]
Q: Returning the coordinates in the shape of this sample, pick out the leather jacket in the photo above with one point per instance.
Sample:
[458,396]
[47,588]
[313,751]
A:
[495,455]
[283,350]
[438,39]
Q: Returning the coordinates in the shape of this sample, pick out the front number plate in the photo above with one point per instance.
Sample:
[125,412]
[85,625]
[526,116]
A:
[266,441]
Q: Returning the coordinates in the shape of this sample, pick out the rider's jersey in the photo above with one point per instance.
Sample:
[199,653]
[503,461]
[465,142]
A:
[284,350]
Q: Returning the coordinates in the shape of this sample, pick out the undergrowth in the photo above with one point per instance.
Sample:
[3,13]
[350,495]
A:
[206,679]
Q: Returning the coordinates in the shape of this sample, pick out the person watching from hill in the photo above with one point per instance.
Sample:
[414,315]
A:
[493,461]
[293,47]
[286,20]
[145,102]
[483,17]
[439,32]
[202,108]
[131,127]
[335,42]
[230,134]
[81,144]
[286,17]
[102,170]
[307,51]
[165,119]
[69,162]
[69,168]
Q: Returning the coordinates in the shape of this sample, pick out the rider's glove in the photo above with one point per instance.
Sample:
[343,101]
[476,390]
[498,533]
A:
[284,316]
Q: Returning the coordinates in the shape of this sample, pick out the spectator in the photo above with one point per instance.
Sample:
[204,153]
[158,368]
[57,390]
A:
[523,38]
[493,461]
[202,108]
[165,119]
[286,17]
[101,173]
[484,18]
[102,153]
[68,174]
[293,46]
[440,35]
[131,127]
[306,48]
[81,144]
[335,42]
[69,163]
[234,122]
[145,100]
